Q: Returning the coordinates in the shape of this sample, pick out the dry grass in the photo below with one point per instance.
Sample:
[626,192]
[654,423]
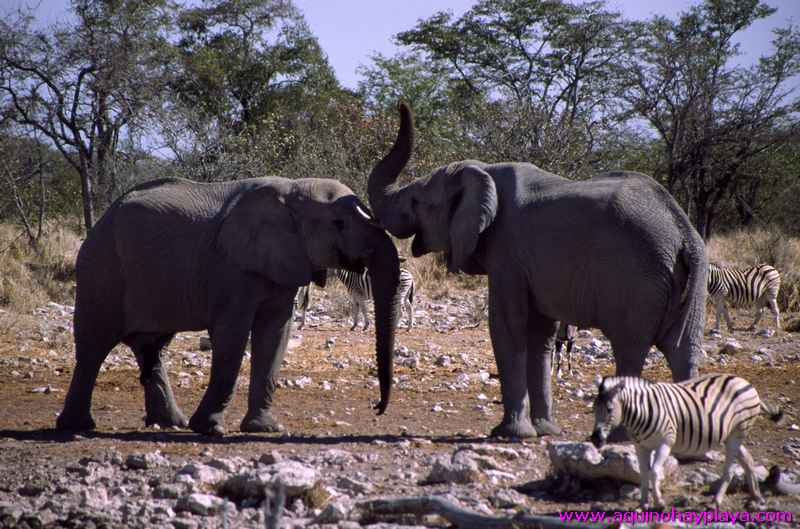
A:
[772,246]
[30,278]
[430,273]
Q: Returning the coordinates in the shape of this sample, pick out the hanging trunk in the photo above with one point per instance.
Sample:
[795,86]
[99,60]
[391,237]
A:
[384,274]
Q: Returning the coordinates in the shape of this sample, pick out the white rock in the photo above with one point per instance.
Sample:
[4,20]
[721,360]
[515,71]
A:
[200,504]
[584,461]
[203,473]
[145,461]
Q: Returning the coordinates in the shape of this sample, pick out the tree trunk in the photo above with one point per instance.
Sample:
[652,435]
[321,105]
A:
[87,193]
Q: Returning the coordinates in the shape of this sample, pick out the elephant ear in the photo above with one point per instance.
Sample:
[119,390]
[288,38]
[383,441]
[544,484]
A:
[477,206]
[260,234]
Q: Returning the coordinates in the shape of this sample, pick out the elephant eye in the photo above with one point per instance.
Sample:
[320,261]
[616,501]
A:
[339,224]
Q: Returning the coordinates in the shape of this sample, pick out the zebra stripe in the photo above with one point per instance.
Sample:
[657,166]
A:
[687,418]
[757,285]
[565,335]
[359,289]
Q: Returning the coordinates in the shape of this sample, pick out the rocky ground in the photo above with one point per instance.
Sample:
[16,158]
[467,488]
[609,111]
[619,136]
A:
[336,455]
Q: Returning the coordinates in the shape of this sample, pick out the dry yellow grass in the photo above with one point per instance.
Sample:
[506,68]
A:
[771,246]
[30,278]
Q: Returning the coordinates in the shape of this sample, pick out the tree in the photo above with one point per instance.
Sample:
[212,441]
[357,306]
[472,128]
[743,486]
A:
[713,117]
[85,86]
[243,58]
[542,69]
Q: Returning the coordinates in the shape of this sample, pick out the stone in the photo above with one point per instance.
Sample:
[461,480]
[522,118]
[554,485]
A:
[145,461]
[617,462]
[297,478]
[445,470]
[184,523]
[200,504]
[167,492]
[338,510]
[203,474]
[354,486]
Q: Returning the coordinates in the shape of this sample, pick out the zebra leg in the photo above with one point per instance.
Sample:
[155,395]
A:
[657,473]
[570,343]
[773,307]
[643,454]
[746,460]
[728,320]
[759,313]
[555,360]
[732,449]
[366,314]
[354,312]
[407,305]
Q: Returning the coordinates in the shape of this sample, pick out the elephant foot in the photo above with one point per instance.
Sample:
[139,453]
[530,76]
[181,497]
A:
[170,419]
[262,422]
[518,428]
[212,425]
[544,427]
[81,423]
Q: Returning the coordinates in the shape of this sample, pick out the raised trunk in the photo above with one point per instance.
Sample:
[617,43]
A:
[380,186]
[384,274]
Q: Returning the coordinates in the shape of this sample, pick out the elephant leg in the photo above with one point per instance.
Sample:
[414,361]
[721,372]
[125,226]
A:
[541,334]
[90,352]
[271,330]
[228,339]
[159,401]
[508,319]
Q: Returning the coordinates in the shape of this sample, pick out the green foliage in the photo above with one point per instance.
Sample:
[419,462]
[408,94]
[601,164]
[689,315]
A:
[242,59]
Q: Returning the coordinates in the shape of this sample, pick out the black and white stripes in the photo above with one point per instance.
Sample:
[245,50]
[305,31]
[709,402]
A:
[687,418]
[757,285]
[359,289]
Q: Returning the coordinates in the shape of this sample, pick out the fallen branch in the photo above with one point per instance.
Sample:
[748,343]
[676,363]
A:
[778,483]
[462,518]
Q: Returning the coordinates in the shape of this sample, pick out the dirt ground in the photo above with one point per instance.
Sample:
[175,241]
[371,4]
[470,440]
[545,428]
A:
[446,394]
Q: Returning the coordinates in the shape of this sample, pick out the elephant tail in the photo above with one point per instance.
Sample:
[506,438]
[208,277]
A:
[682,330]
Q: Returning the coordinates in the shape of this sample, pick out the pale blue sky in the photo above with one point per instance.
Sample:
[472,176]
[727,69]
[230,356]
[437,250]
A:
[350,31]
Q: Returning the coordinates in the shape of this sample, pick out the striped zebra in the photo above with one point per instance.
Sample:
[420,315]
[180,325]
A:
[360,291]
[687,418]
[565,335]
[757,285]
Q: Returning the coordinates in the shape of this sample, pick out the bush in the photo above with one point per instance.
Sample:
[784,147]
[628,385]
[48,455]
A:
[772,246]
[29,277]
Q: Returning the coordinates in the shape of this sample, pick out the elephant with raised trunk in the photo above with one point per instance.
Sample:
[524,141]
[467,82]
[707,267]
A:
[173,255]
[615,252]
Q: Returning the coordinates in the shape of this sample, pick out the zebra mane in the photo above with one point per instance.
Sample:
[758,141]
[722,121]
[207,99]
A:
[607,385]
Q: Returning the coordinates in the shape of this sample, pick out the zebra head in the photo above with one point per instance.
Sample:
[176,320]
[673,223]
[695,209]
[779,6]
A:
[607,408]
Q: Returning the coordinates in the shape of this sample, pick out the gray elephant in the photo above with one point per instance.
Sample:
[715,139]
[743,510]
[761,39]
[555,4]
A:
[174,255]
[615,252]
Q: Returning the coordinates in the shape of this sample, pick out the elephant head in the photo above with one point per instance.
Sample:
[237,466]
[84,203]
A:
[293,235]
[445,212]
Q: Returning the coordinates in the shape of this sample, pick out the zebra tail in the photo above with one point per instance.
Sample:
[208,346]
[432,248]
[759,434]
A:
[774,413]
[411,292]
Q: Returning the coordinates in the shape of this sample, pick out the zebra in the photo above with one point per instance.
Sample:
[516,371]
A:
[360,290]
[757,285]
[687,418]
[565,334]
[303,299]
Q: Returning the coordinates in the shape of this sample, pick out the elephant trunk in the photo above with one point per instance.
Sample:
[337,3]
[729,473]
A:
[384,275]
[381,186]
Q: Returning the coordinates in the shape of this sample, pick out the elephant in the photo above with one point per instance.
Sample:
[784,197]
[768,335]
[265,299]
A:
[173,255]
[615,252]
